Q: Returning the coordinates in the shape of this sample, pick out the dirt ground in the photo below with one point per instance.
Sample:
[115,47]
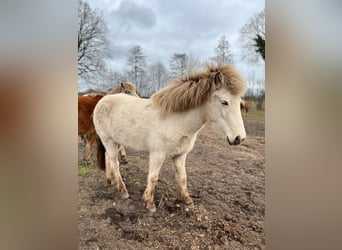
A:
[226,183]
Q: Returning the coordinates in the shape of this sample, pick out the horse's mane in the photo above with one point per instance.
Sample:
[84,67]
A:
[193,90]
[123,86]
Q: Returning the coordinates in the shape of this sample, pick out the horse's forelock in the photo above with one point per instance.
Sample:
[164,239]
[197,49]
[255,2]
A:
[231,79]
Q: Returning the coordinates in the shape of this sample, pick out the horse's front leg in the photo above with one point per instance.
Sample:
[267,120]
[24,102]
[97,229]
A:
[156,161]
[182,179]
[123,154]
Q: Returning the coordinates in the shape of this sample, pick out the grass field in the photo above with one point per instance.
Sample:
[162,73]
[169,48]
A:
[254,113]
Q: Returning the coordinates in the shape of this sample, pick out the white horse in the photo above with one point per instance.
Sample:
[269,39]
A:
[168,124]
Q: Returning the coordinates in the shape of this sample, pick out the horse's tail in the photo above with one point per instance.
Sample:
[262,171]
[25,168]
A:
[101,159]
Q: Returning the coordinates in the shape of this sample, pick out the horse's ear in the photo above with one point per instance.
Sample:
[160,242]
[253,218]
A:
[218,78]
[122,85]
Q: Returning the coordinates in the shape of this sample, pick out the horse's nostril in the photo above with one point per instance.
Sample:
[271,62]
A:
[237,140]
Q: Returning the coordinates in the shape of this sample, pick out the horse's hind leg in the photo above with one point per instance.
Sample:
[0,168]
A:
[156,161]
[83,138]
[89,146]
[182,179]
[113,169]
[108,170]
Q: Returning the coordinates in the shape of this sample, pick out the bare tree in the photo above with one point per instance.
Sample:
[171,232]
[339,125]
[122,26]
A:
[93,45]
[259,93]
[136,60]
[114,79]
[178,64]
[158,76]
[251,84]
[223,52]
[256,90]
[194,63]
[260,101]
[248,32]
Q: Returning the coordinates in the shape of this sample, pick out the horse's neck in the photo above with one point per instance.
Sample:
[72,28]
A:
[194,120]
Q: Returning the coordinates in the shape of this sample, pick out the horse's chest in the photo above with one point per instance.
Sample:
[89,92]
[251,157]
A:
[183,145]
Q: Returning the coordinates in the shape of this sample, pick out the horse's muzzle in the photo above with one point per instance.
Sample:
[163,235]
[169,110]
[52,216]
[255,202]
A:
[236,141]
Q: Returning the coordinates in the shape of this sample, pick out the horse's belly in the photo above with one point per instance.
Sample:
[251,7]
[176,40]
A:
[131,136]
[138,145]
[179,146]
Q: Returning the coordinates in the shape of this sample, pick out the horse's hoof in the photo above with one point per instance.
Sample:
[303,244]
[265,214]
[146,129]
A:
[188,200]
[151,207]
[86,162]
[123,161]
[124,195]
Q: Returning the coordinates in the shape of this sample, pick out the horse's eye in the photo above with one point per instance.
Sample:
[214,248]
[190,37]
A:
[224,103]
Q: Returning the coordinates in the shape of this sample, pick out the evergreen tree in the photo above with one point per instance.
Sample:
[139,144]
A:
[260,45]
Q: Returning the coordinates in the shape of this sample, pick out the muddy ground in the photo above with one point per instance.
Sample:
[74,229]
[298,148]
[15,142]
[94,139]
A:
[226,183]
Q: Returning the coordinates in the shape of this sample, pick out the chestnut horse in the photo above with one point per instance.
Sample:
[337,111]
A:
[167,124]
[244,106]
[86,105]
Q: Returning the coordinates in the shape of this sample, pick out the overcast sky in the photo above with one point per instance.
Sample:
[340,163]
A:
[164,27]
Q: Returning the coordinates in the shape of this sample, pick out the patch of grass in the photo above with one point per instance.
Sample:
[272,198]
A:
[255,115]
[83,170]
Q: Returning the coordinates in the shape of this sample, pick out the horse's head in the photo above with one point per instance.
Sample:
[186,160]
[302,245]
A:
[129,89]
[224,112]
[242,104]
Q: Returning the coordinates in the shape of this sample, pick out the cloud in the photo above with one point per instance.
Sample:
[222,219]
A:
[162,28]
[131,15]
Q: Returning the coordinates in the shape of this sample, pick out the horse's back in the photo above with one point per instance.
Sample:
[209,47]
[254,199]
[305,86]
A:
[118,102]
[137,123]
[88,101]
[86,105]
[247,105]
[123,118]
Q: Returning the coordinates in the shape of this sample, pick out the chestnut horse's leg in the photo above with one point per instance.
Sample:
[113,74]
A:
[182,179]
[89,146]
[113,169]
[156,161]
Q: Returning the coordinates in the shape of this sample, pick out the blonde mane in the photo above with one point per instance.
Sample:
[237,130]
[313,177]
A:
[193,90]
[124,86]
